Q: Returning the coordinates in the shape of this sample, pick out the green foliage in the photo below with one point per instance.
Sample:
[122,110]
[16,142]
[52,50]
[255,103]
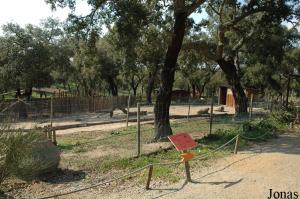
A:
[29,55]
[26,154]
[255,130]
[283,117]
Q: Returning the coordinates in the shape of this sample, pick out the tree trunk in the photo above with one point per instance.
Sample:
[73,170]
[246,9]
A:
[112,86]
[134,86]
[233,80]
[163,101]
[200,89]
[18,93]
[134,90]
[28,93]
[287,92]
[193,90]
[150,86]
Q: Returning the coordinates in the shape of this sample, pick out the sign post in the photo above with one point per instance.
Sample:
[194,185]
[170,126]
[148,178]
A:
[182,143]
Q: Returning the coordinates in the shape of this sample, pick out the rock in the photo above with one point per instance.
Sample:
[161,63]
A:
[43,158]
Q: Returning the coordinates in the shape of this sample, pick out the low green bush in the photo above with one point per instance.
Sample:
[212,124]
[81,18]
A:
[282,117]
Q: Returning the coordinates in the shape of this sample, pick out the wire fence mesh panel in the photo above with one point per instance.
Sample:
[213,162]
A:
[94,123]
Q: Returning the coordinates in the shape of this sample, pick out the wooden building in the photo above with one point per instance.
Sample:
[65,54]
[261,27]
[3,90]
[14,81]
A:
[226,95]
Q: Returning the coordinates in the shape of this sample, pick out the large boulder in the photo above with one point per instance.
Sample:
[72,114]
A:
[27,154]
[42,157]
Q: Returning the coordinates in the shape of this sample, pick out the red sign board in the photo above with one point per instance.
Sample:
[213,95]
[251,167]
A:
[182,141]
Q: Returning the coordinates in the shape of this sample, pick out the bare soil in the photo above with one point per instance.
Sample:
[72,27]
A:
[249,174]
[90,118]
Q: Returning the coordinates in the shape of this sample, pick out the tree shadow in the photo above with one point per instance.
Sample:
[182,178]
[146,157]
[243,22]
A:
[285,143]
[62,176]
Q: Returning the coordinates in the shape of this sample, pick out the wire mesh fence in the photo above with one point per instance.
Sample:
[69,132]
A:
[108,121]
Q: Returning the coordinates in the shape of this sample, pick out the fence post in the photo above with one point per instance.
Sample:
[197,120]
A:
[54,137]
[138,130]
[251,106]
[237,141]
[46,131]
[211,114]
[292,125]
[94,104]
[189,110]
[128,107]
[51,111]
[149,177]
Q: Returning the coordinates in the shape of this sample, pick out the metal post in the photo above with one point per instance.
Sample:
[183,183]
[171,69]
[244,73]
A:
[138,130]
[128,107]
[211,114]
[149,177]
[237,141]
[251,106]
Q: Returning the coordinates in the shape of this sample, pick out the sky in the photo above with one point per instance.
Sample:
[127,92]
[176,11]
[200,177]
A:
[32,11]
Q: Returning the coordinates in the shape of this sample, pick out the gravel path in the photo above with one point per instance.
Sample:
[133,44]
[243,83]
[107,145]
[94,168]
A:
[250,174]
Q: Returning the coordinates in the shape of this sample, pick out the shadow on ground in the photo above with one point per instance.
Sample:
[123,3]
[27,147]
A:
[227,184]
[285,143]
[62,176]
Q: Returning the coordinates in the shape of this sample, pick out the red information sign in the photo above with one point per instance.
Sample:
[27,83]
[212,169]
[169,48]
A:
[182,141]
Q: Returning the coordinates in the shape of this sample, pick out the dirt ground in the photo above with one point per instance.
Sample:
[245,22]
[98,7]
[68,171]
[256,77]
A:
[250,174]
[90,118]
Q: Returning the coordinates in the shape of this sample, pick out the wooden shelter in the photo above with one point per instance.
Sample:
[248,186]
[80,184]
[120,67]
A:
[226,95]
[55,92]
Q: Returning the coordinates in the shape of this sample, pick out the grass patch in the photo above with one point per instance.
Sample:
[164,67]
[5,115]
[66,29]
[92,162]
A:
[224,129]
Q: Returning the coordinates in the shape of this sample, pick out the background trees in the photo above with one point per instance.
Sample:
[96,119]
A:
[28,56]
[125,46]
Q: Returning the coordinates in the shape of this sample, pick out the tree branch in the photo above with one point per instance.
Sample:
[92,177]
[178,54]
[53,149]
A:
[240,43]
[203,47]
[190,9]
[246,14]
[214,9]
